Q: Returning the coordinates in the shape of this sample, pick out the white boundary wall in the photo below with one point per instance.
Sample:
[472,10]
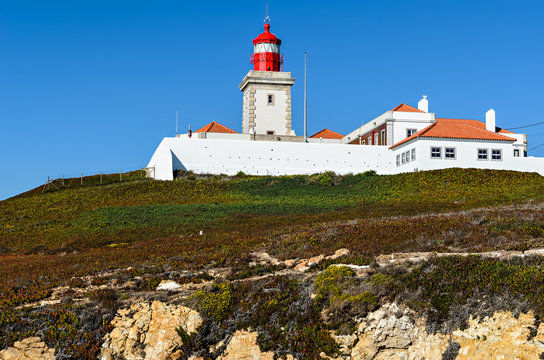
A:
[217,156]
[207,156]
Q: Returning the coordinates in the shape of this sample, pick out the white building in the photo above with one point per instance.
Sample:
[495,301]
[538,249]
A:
[400,140]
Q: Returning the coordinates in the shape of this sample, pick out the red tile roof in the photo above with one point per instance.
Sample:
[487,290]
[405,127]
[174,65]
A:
[327,134]
[477,123]
[406,108]
[215,127]
[457,129]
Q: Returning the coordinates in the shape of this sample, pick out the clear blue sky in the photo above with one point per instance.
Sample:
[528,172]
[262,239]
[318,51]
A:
[90,86]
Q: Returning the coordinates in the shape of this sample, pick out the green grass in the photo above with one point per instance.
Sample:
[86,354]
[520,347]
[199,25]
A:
[76,216]
[96,227]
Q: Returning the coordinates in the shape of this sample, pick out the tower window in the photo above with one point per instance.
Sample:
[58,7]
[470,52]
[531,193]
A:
[410,132]
[270,100]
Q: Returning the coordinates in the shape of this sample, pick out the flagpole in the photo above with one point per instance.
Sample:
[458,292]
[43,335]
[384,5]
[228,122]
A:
[305,98]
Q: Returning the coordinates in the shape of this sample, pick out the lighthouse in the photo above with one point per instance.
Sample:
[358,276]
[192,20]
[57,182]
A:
[267,89]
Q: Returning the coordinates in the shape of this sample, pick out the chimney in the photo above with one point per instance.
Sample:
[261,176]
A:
[490,120]
[423,104]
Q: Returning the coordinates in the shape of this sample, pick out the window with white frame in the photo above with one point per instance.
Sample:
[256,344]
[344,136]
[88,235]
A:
[363,142]
[375,139]
[383,137]
[404,158]
[370,140]
[413,154]
[516,152]
[449,153]
[482,154]
[496,154]
[436,152]
[398,160]
[408,156]
[410,132]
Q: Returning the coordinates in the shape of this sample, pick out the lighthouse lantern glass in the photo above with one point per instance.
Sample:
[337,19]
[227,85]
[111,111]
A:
[267,47]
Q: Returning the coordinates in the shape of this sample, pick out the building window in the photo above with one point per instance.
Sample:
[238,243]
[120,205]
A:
[363,143]
[271,99]
[269,132]
[413,154]
[376,139]
[449,153]
[370,140]
[398,160]
[410,132]
[404,158]
[496,154]
[482,154]
[408,156]
[436,152]
[516,152]
[383,137]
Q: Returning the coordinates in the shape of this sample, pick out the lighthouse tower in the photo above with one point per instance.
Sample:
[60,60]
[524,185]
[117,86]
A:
[267,89]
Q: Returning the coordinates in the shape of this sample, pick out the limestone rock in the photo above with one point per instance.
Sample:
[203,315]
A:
[339,253]
[148,331]
[243,346]
[394,333]
[264,258]
[168,285]
[32,348]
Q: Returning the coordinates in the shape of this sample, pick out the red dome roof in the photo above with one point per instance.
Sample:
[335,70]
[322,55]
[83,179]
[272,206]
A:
[266,37]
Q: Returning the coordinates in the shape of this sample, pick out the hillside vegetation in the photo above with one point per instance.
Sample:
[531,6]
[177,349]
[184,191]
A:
[52,237]
[96,227]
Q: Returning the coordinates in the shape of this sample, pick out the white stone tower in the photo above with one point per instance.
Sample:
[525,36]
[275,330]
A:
[267,90]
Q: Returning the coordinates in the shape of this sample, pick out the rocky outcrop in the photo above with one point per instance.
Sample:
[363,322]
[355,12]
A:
[394,333]
[147,331]
[168,285]
[243,346]
[32,348]
[415,257]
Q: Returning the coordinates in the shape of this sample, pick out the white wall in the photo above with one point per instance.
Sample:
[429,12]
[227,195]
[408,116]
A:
[218,156]
[467,156]
[324,141]
[398,122]
[270,117]
[266,157]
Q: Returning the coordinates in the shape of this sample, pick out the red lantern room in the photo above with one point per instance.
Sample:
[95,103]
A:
[266,52]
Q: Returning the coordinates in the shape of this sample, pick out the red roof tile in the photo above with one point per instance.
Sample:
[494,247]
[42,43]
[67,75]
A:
[406,108]
[327,134]
[456,129]
[215,127]
[477,123]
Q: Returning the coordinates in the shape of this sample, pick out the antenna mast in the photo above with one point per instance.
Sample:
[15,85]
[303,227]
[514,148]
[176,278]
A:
[176,122]
[305,98]
[267,18]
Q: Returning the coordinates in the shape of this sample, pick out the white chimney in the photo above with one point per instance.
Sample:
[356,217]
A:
[423,104]
[490,120]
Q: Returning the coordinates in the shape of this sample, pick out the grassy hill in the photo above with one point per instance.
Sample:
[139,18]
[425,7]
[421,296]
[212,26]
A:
[54,236]
[46,237]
